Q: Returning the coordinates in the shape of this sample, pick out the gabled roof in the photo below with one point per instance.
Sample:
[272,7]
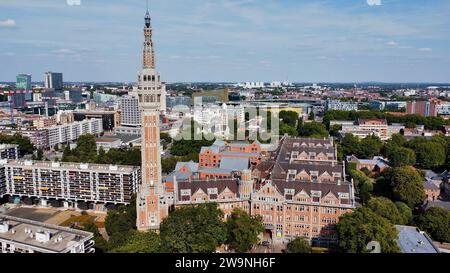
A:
[191,165]
[308,188]
[204,185]
[214,149]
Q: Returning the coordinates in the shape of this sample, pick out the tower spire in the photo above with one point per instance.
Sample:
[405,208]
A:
[148,52]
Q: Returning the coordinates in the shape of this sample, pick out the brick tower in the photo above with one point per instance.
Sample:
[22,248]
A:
[151,203]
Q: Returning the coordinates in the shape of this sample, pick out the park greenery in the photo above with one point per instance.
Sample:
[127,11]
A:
[362,226]
[86,152]
[243,230]
[299,245]
[189,229]
[25,145]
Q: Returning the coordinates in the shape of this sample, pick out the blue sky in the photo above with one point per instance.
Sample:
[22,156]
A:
[229,40]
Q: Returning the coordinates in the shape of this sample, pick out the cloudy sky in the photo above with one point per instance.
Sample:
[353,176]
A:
[229,40]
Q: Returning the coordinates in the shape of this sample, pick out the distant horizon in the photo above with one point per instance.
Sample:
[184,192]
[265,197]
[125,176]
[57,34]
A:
[237,82]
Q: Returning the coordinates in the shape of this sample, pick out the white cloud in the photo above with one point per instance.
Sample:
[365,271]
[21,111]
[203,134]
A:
[425,49]
[7,23]
[374,2]
[392,43]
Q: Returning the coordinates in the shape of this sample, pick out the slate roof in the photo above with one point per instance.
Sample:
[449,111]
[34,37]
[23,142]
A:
[280,170]
[192,166]
[308,187]
[412,240]
[237,164]
[220,184]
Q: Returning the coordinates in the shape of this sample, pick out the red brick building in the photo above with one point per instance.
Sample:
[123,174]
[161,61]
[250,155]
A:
[300,191]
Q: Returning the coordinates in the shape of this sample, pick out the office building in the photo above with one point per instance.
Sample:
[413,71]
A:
[18,235]
[86,186]
[23,83]
[18,99]
[75,95]
[54,81]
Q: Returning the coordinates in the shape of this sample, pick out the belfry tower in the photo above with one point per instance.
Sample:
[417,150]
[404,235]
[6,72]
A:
[151,203]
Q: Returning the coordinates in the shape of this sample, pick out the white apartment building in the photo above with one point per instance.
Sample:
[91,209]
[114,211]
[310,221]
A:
[341,105]
[131,116]
[70,132]
[69,183]
[18,235]
[364,128]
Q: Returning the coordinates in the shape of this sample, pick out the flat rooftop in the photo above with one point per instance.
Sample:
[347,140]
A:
[412,240]
[54,238]
[68,166]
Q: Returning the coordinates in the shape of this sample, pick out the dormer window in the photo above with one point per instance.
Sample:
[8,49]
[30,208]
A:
[291,175]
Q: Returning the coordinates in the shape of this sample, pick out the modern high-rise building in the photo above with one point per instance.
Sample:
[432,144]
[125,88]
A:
[151,203]
[54,81]
[23,82]
[131,115]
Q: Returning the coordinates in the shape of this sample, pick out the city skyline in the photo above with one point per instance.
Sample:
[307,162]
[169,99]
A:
[359,41]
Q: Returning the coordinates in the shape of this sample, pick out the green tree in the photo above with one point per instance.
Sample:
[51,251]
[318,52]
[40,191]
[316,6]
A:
[193,229]
[363,184]
[312,129]
[311,116]
[430,155]
[101,245]
[25,145]
[399,156]
[387,209]
[436,222]
[86,149]
[289,117]
[102,157]
[168,164]
[350,145]
[357,229]
[140,242]
[398,140]
[243,230]
[404,184]
[299,245]
[120,222]
[287,129]
[370,147]
[405,213]
[334,130]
